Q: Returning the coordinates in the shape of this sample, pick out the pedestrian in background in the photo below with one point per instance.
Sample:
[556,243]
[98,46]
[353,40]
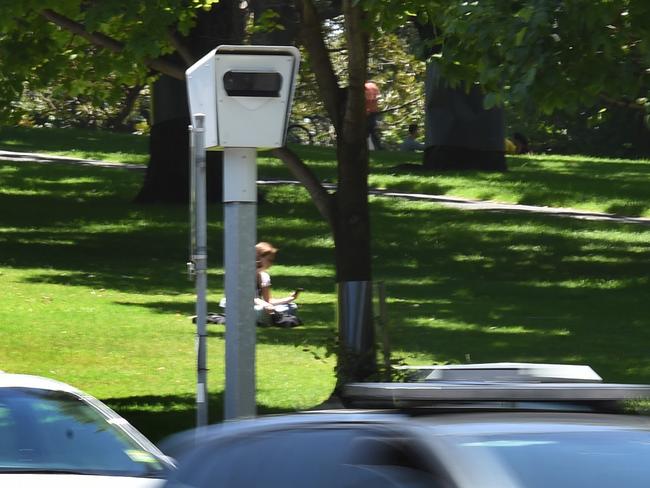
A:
[372,113]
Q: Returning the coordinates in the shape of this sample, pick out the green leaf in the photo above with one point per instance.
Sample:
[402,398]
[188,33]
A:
[519,37]
[490,100]
[526,13]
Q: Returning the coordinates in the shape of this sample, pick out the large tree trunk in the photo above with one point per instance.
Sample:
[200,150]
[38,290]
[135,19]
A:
[460,133]
[350,217]
[356,361]
[167,178]
[356,358]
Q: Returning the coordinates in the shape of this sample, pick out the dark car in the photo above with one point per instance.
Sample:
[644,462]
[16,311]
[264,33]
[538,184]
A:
[513,429]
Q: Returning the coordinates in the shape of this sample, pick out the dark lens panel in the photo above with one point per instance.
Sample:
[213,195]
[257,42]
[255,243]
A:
[252,84]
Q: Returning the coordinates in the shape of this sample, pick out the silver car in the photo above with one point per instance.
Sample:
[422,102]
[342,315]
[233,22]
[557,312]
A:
[460,433]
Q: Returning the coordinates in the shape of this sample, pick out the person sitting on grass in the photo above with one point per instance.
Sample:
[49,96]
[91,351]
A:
[269,310]
[518,144]
[410,142]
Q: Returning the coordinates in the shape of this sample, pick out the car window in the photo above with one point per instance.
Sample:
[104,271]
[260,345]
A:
[306,457]
[597,459]
[43,430]
[8,438]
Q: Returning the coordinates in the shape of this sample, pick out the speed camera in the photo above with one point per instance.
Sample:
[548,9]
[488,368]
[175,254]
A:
[245,93]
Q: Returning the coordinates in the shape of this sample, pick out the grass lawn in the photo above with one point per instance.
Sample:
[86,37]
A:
[77,143]
[93,288]
[617,186]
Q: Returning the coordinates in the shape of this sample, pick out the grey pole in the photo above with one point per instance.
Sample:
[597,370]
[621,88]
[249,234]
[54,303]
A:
[240,217]
[200,260]
[192,209]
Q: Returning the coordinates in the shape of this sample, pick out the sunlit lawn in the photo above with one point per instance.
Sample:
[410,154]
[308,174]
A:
[617,186]
[93,291]
[77,143]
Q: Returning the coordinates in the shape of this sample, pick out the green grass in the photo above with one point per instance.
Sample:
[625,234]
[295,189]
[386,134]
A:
[615,186]
[595,184]
[77,143]
[94,292]
[93,289]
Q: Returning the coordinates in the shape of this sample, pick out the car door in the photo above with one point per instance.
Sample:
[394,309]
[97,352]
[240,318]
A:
[315,456]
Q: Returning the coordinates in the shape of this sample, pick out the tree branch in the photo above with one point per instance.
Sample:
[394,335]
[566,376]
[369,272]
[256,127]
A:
[106,42]
[621,103]
[405,104]
[319,195]
[313,40]
[181,48]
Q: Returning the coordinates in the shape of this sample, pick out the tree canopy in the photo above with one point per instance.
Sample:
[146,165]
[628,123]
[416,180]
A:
[557,55]
[78,45]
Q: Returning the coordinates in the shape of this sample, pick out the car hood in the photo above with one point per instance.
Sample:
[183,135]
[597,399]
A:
[25,480]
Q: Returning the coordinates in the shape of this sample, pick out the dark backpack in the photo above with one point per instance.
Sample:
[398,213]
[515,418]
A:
[285,319]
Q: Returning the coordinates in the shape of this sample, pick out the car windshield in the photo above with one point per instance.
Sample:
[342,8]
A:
[48,432]
[604,458]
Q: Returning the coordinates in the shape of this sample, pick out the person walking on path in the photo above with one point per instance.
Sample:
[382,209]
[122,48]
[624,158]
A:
[372,113]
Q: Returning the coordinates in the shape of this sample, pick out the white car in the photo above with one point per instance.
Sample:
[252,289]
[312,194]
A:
[53,435]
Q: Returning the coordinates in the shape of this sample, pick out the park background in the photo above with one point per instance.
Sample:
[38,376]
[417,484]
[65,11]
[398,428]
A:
[94,289]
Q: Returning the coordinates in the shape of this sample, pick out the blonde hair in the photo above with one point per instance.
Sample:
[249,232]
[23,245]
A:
[264,249]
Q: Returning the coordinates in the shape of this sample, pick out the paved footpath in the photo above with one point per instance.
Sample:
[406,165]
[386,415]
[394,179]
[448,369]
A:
[456,202]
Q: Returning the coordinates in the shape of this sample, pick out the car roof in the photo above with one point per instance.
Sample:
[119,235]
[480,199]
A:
[529,422]
[445,423]
[518,386]
[9,380]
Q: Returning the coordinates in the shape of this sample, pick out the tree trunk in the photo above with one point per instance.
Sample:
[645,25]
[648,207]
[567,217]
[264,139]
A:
[120,121]
[352,220]
[167,178]
[352,237]
[460,133]
[356,356]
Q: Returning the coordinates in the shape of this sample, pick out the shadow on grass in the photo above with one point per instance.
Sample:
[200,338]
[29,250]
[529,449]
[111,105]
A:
[56,140]
[552,181]
[86,230]
[632,209]
[160,416]
[511,287]
[485,286]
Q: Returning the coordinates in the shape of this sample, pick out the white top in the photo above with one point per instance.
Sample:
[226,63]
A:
[265,279]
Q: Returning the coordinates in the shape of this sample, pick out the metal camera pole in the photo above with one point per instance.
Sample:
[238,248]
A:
[240,220]
[199,260]
[245,93]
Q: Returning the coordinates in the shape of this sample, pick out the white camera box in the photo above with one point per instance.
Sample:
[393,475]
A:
[245,93]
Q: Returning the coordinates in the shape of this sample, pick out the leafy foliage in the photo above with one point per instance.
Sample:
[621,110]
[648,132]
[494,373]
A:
[537,55]
[36,51]
[555,55]
[600,131]
[53,107]
[392,65]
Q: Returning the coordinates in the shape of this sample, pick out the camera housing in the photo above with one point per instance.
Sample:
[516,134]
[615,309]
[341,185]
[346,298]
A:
[245,93]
